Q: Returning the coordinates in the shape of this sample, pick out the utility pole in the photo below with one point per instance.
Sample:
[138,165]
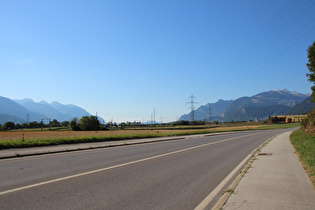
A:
[192,107]
[209,106]
[154,116]
[95,122]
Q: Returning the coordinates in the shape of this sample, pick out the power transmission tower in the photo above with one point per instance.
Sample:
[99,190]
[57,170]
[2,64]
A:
[192,107]
[154,116]
[209,106]
[95,122]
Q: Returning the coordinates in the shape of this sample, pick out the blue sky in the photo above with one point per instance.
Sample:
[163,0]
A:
[122,59]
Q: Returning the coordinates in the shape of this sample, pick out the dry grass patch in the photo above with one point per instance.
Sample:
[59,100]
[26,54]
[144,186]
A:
[18,135]
[26,138]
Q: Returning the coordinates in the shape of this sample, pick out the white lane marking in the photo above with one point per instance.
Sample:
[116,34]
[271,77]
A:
[117,166]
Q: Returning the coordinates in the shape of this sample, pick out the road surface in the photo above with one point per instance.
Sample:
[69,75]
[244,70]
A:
[176,174]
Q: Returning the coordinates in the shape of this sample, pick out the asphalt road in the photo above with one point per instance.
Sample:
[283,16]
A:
[177,174]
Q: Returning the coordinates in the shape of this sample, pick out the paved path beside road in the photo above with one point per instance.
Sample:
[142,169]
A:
[276,180]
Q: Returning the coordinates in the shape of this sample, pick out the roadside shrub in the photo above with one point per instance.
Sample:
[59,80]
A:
[308,123]
[89,123]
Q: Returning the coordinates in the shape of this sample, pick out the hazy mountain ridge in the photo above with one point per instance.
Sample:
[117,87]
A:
[21,110]
[9,107]
[70,109]
[302,108]
[256,112]
[10,118]
[269,98]
[259,106]
[217,111]
[44,108]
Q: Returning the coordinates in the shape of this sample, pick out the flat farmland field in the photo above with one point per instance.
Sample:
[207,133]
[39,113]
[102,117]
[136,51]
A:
[31,138]
[19,135]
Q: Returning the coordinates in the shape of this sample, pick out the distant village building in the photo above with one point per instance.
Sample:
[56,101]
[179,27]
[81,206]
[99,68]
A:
[287,118]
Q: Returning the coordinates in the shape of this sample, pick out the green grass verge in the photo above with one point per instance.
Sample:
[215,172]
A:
[6,144]
[280,126]
[304,144]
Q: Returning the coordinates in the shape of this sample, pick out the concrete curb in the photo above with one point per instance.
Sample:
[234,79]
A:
[228,192]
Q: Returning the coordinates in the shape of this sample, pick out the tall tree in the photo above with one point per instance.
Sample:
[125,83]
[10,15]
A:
[74,124]
[8,126]
[55,123]
[311,67]
[89,123]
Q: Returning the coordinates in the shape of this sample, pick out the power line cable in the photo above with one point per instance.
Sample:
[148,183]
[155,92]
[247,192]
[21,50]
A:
[255,40]
[292,17]
[274,57]
[259,52]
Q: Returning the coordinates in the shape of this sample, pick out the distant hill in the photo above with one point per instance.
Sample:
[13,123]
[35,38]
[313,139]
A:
[43,108]
[259,106]
[276,97]
[10,118]
[54,110]
[304,107]
[9,107]
[26,109]
[70,109]
[217,111]
[256,112]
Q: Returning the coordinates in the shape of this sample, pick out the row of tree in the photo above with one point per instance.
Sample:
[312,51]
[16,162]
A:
[11,125]
[88,123]
[195,122]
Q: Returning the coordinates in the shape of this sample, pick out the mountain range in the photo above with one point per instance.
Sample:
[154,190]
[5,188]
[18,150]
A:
[26,110]
[257,107]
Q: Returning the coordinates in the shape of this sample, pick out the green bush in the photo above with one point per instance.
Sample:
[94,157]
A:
[309,122]
[8,126]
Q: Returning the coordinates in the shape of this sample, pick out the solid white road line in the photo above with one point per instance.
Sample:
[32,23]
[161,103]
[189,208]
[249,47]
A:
[116,166]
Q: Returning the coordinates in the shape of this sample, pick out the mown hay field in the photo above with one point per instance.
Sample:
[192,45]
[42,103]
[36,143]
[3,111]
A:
[19,135]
